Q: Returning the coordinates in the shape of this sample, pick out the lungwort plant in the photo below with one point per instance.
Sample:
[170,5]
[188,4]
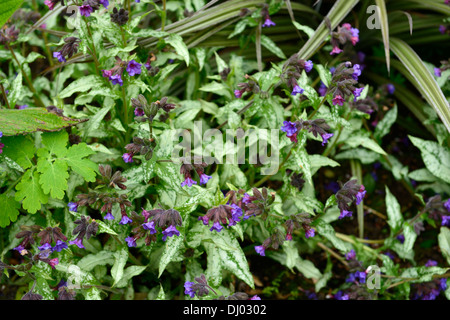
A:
[229,150]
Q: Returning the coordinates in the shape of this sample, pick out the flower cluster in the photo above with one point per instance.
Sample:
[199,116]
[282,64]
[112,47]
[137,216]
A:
[86,228]
[120,17]
[344,83]
[439,209]
[429,290]
[292,70]
[115,74]
[186,170]
[147,112]
[344,34]
[299,221]
[250,86]
[445,65]
[316,127]
[351,191]
[145,225]
[142,146]
[69,48]
[8,34]
[109,181]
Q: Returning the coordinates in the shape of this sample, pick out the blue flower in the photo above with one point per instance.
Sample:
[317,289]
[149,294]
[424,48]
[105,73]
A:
[86,10]
[350,255]
[289,127]
[360,195]
[296,90]
[356,71]
[204,178]
[169,232]
[447,205]
[125,220]
[268,22]
[73,206]
[260,250]
[446,221]
[310,233]
[45,246]
[105,3]
[308,66]
[216,226]
[127,157]
[116,79]
[109,216]
[431,263]
[345,213]
[188,182]
[78,243]
[390,88]
[58,55]
[443,284]
[131,242]
[188,289]
[357,92]
[59,246]
[150,226]
[325,137]
[133,68]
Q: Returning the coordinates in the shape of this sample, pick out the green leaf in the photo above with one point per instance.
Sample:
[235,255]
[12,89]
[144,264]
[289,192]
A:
[20,149]
[90,261]
[383,17]
[172,245]
[395,218]
[9,210]
[303,161]
[308,30]
[15,91]
[120,259]
[356,140]
[84,167]
[14,122]
[82,84]
[423,80]
[30,192]
[129,273]
[180,47]
[386,123]
[444,243]
[435,157]
[56,142]
[327,231]
[267,43]
[53,177]
[7,9]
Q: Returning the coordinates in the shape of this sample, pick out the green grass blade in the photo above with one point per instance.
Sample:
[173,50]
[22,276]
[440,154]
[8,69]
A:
[337,13]
[384,29]
[424,80]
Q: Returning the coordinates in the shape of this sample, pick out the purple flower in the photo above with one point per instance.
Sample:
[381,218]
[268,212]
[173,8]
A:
[139,112]
[437,72]
[105,3]
[107,73]
[308,65]
[19,248]
[345,213]
[109,216]
[296,90]
[45,246]
[238,93]
[125,220]
[116,79]
[133,68]
[390,88]
[357,92]
[390,255]
[50,4]
[204,219]
[131,242]
[360,195]
[310,233]
[150,226]
[325,137]
[188,182]
[442,29]
[169,232]
[336,50]
[289,127]
[355,35]
[322,89]
[73,206]
[447,205]
[59,246]
[78,243]
[86,10]
[188,289]
[260,250]
[401,238]
[21,107]
[356,71]
[236,212]
[268,22]
[446,221]
[246,198]
[350,255]
[204,178]
[431,263]
[127,157]
[53,262]
[338,100]
[443,284]
[340,296]
[255,297]
[362,277]
[58,55]
[216,226]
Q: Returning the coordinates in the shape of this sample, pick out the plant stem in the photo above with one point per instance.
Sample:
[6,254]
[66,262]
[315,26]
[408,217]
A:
[163,16]
[4,96]
[36,97]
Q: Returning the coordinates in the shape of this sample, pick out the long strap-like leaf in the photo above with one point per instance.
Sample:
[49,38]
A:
[424,80]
